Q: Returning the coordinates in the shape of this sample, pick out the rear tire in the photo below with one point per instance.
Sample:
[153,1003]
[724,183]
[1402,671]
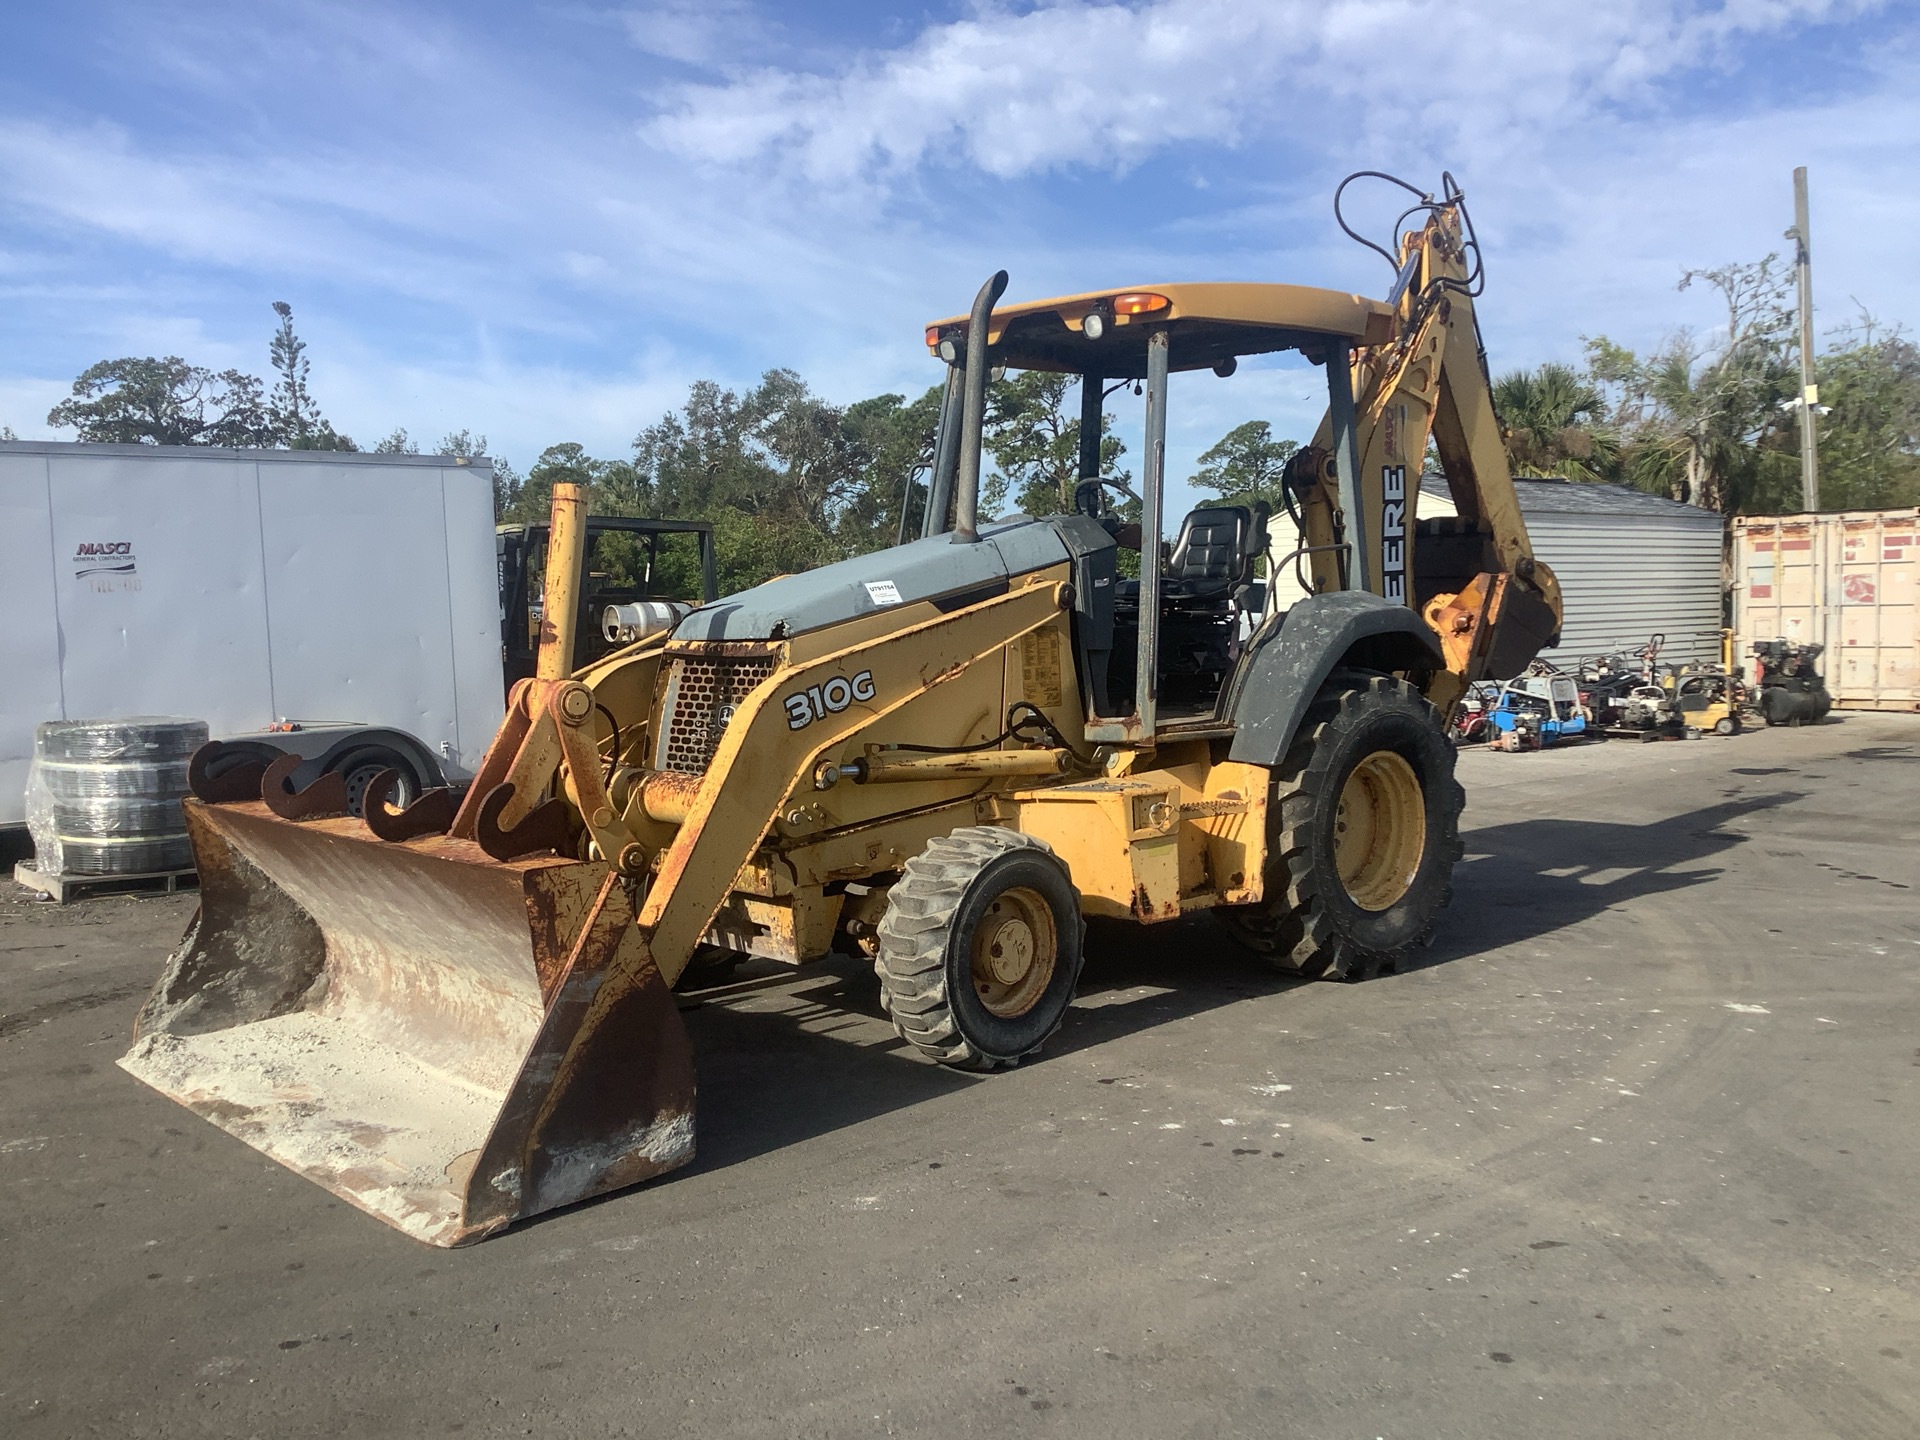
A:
[1363,832]
[980,948]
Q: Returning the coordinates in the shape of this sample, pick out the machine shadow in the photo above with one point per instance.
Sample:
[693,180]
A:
[1529,878]
[783,1057]
[1137,977]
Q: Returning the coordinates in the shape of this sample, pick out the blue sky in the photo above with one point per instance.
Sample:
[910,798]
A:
[543,221]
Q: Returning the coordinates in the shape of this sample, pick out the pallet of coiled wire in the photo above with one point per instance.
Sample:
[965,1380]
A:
[103,798]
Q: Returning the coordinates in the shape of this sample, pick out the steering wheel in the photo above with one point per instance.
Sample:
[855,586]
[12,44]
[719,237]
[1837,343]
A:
[1086,495]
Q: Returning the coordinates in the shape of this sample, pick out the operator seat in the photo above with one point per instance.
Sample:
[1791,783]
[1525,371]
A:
[1205,586]
[1214,554]
[1211,563]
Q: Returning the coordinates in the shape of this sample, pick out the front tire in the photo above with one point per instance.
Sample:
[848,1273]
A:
[1363,832]
[708,966]
[980,948]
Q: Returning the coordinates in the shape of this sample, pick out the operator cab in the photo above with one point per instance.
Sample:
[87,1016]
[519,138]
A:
[1209,598]
[1159,643]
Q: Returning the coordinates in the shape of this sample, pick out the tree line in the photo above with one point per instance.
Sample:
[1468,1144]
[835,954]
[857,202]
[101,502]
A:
[792,480]
[1714,422]
[169,402]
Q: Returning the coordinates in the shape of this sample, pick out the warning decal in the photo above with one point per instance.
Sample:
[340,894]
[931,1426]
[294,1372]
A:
[1040,666]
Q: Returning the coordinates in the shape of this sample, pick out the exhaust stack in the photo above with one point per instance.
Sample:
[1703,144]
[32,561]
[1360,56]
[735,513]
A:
[966,504]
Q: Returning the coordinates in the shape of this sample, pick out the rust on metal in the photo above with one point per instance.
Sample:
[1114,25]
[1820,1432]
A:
[322,800]
[552,910]
[498,761]
[251,953]
[880,767]
[238,780]
[566,557]
[613,1105]
[544,828]
[668,795]
[569,706]
[727,649]
[431,814]
[445,1041]
[1226,804]
[452,1040]
[524,753]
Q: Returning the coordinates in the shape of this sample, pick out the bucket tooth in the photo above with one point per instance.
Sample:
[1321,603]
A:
[324,798]
[237,780]
[448,1042]
[431,814]
[543,828]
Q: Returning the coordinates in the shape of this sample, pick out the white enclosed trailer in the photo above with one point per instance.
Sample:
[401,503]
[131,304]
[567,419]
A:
[342,607]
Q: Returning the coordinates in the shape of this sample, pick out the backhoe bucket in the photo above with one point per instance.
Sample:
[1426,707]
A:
[447,1041]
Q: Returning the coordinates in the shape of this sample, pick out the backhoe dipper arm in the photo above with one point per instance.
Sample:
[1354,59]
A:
[1492,602]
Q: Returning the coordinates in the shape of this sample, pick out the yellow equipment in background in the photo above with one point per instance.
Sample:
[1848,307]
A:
[941,755]
[1709,701]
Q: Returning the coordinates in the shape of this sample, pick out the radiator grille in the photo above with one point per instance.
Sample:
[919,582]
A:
[701,697]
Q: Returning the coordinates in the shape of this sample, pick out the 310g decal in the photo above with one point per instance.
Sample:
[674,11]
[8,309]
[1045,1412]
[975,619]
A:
[817,702]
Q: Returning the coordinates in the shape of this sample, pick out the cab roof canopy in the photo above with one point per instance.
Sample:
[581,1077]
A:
[1209,323]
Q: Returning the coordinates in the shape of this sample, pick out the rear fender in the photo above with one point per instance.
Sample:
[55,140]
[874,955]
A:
[1318,635]
[425,765]
[323,748]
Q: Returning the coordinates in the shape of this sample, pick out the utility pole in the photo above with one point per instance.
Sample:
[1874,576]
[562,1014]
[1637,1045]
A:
[1809,392]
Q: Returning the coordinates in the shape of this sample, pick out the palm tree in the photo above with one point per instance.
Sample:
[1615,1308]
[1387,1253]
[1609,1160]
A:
[1552,417]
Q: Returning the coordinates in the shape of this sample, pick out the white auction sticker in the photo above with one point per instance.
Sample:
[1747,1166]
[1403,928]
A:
[883,592]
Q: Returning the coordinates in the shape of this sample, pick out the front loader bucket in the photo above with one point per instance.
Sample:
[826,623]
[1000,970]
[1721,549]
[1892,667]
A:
[447,1041]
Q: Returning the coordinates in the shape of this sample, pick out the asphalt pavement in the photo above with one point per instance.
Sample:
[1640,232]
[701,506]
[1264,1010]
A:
[1631,1150]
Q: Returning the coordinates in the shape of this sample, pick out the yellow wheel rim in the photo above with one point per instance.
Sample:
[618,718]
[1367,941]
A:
[1379,830]
[1015,947]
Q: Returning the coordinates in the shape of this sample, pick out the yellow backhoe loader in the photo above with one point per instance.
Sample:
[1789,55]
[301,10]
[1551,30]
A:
[941,755]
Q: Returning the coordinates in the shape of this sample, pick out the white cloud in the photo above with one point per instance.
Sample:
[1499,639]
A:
[25,401]
[694,32]
[1014,92]
[520,409]
[468,242]
[242,208]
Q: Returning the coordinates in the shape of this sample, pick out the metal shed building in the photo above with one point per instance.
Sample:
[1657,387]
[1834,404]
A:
[1630,565]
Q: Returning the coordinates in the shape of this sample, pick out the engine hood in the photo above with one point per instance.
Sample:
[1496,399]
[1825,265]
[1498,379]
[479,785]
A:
[933,569]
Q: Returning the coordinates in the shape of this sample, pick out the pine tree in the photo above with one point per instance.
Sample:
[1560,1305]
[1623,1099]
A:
[295,418]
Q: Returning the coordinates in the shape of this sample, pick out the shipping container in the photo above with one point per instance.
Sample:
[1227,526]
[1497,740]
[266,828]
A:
[1843,581]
